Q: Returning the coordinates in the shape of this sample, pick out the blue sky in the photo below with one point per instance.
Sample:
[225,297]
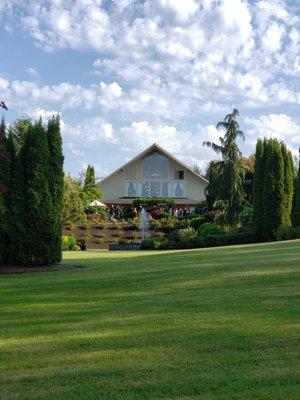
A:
[126,73]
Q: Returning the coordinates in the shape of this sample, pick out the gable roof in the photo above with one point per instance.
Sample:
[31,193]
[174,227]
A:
[150,149]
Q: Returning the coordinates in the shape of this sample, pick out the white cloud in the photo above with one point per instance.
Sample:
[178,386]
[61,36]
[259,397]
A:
[183,10]
[273,36]
[280,126]
[168,69]
[89,132]
[41,113]
[164,48]
[4,83]
[32,72]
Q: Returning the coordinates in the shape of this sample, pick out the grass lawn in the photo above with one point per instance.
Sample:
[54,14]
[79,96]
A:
[200,324]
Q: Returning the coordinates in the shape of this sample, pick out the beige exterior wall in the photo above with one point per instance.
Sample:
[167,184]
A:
[113,188]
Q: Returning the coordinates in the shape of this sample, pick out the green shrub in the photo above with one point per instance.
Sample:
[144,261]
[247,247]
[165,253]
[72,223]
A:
[165,224]
[68,242]
[123,241]
[245,217]
[196,223]
[288,232]
[174,236]
[209,229]
[163,215]
[186,233]
[165,245]
[147,244]
[209,216]
[221,218]
[200,207]
[220,205]
[229,238]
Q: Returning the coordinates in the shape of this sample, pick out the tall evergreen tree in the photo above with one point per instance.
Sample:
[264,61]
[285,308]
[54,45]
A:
[273,191]
[288,183]
[39,211]
[258,187]
[90,189]
[5,163]
[56,184]
[18,131]
[17,210]
[296,219]
[230,167]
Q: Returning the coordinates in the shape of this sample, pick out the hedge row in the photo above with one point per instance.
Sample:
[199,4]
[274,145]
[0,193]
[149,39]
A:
[198,242]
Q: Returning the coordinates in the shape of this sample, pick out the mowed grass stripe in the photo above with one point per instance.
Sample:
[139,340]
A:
[217,323]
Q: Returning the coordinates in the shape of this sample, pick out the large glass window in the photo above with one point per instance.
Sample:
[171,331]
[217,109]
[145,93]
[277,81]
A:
[154,189]
[155,166]
[179,189]
[145,189]
[131,189]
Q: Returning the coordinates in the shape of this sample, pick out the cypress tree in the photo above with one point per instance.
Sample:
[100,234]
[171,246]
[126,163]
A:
[17,208]
[296,219]
[273,191]
[39,211]
[56,184]
[288,184]
[90,189]
[258,187]
[5,161]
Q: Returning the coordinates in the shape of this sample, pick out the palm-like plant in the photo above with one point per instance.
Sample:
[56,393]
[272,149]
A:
[229,167]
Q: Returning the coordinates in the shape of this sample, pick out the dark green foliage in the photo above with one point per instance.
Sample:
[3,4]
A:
[17,210]
[200,207]
[33,193]
[248,176]
[287,232]
[245,217]
[56,185]
[221,218]
[288,184]
[39,218]
[209,229]
[273,190]
[147,244]
[214,176]
[5,174]
[90,188]
[175,241]
[18,131]
[227,174]
[163,215]
[197,222]
[258,187]
[230,238]
[296,218]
